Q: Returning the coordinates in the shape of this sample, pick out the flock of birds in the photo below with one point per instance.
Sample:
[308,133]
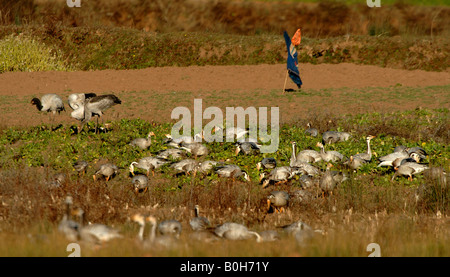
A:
[182,157]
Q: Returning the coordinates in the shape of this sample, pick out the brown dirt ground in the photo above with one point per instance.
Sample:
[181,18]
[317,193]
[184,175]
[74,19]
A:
[152,93]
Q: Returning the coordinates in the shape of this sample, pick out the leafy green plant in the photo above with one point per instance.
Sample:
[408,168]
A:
[24,53]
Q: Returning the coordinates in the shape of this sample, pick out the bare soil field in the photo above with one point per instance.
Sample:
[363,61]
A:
[152,93]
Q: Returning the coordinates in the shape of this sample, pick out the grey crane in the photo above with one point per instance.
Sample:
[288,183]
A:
[76,100]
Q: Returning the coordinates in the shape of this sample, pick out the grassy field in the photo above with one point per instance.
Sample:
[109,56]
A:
[406,218]
[368,207]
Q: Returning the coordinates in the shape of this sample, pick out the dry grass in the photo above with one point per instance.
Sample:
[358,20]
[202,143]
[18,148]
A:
[320,19]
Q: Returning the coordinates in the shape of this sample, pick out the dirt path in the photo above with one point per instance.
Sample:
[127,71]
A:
[152,93]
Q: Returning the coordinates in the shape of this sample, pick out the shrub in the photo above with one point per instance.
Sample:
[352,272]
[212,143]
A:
[23,53]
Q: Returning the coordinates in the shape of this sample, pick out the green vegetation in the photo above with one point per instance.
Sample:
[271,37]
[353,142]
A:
[31,156]
[122,48]
[25,53]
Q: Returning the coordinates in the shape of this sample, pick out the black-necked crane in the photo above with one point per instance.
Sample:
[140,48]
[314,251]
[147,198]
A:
[49,103]
[96,106]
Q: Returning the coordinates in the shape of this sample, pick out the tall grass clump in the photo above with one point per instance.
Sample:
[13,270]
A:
[24,53]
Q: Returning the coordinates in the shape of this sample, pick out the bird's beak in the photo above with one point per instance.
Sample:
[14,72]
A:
[93,177]
[268,203]
[237,150]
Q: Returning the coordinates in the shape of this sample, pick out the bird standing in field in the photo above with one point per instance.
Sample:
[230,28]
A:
[143,143]
[195,148]
[307,155]
[80,167]
[232,171]
[329,156]
[368,155]
[67,226]
[95,233]
[278,175]
[327,181]
[278,200]
[140,183]
[266,163]
[107,170]
[49,103]
[147,164]
[198,222]
[409,169]
[96,106]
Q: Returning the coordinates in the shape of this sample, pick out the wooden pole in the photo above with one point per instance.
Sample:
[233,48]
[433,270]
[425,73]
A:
[285,81]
